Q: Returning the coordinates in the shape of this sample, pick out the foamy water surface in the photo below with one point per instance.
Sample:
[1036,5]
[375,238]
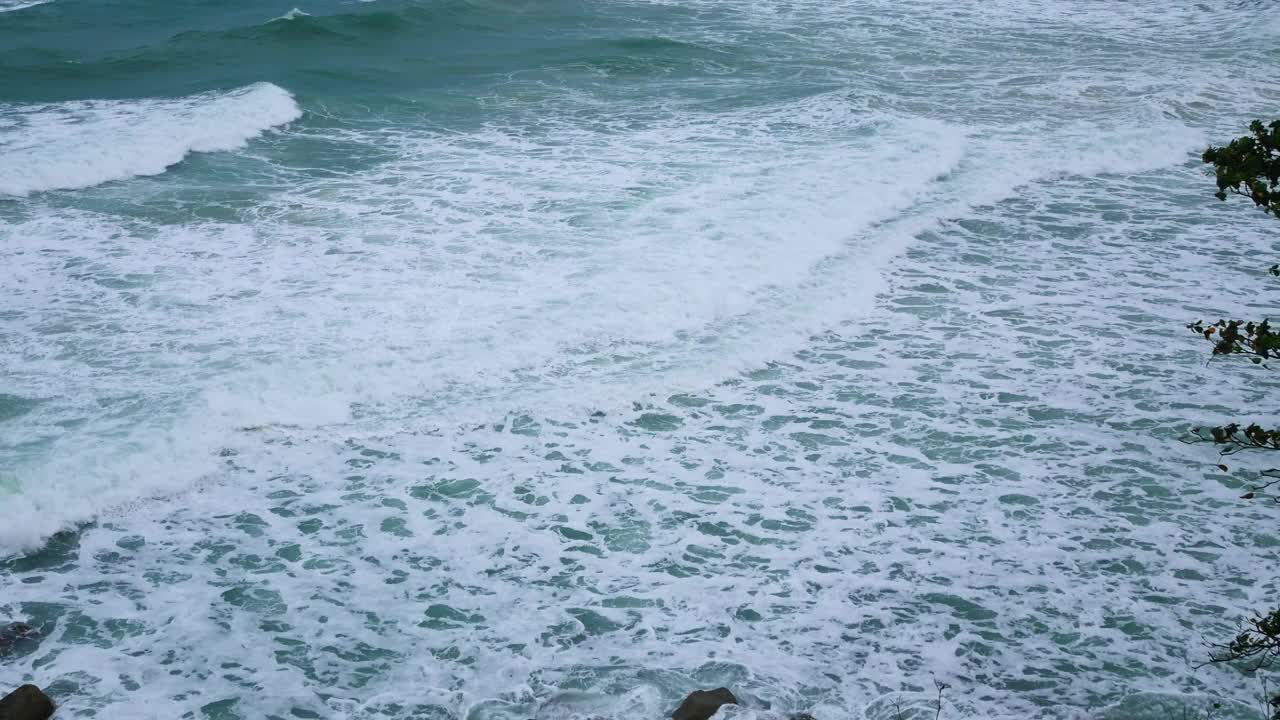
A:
[494,360]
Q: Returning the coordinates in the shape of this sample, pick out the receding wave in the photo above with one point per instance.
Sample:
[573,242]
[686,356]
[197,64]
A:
[72,145]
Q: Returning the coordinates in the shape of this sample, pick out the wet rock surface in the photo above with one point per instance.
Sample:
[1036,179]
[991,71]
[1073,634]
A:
[702,704]
[26,703]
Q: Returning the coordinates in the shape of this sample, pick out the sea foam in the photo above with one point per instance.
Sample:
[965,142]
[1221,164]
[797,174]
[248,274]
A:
[12,5]
[621,389]
[79,144]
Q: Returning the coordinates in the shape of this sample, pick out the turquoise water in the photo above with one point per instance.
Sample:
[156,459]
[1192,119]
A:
[505,360]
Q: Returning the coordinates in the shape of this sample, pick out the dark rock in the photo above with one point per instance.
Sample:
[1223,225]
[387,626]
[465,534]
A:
[26,703]
[12,635]
[803,716]
[702,704]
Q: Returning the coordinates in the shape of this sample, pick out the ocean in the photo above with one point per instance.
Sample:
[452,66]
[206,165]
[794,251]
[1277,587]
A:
[500,359]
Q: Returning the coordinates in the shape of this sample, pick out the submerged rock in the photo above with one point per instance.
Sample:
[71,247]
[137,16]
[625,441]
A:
[702,704]
[26,703]
[14,633]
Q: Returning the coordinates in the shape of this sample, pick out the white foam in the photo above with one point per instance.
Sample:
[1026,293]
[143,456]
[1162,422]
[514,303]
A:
[84,143]
[293,14]
[439,304]
[314,362]
[12,5]
[685,273]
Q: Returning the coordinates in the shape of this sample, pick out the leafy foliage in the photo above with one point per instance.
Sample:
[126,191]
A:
[1259,643]
[1239,337]
[1233,438]
[1250,166]
[1252,437]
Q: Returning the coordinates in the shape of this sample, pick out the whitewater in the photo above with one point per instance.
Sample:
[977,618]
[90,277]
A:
[494,360]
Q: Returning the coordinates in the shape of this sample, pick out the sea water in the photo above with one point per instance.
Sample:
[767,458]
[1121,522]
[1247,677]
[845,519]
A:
[500,359]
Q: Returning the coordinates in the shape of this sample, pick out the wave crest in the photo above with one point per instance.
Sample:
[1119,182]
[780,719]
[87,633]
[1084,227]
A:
[12,5]
[72,145]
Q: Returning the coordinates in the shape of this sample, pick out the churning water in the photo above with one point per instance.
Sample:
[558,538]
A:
[501,359]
